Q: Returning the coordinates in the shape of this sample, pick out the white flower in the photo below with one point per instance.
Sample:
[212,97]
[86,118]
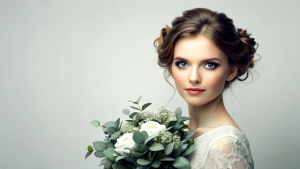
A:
[125,141]
[152,128]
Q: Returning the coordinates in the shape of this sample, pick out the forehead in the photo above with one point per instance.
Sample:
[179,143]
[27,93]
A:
[197,48]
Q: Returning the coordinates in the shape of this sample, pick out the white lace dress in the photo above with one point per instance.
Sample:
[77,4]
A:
[223,147]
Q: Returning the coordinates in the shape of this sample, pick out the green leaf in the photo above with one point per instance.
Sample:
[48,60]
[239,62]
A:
[132,115]
[183,147]
[99,154]
[142,161]
[138,100]
[156,164]
[178,113]
[143,167]
[109,124]
[111,130]
[167,159]
[169,148]
[138,137]
[156,147]
[183,118]
[189,135]
[136,154]
[88,154]
[181,162]
[135,108]
[146,105]
[110,145]
[100,145]
[115,135]
[103,161]
[126,111]
[95,123]
[109,153]
[90,148]
[117,123]
[189,150]
[119,158]
[145,135]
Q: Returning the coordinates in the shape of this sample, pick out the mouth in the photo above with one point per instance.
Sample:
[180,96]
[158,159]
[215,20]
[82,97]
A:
[194,91]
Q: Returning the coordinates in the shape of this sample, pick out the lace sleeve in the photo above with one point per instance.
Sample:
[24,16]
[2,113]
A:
[229,152]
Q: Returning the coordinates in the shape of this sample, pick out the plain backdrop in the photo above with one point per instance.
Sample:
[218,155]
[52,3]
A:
[64,63]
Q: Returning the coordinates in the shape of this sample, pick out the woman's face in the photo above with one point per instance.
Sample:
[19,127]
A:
[199,63]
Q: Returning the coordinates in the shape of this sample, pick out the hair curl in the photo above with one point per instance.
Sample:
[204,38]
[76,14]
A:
[235,43]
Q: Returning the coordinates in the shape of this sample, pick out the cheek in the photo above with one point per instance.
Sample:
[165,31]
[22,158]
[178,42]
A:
[179,77]
[217,80]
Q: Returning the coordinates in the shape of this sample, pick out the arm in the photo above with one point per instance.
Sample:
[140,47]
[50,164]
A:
[229,152]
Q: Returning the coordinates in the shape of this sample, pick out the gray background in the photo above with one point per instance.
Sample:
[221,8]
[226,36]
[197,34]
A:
[66,63]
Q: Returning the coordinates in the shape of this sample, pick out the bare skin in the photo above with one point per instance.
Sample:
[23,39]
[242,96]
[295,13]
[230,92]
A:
[199,63]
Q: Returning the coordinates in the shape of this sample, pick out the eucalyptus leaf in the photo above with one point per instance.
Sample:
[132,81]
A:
[189,150]
[156,164]
[132,115]
[142,161]
[145,135]
[130,159]
[138,100]
[110,145]
[126,111]
[111,130]
[103,161]
[95,123]
[189,134]
[119,158]
[99,154]
[146,105]
[169,148]
[167,159]
[181,163]
[156,147]
[90,149]
[109,124]
[178,113]
[171,123]
[115,135]
[117,123]
[100,145]
[135,108]
[138,137]
[143,167]
[136,154]
[183,118]
[183,147]
[109,154]
[88,154]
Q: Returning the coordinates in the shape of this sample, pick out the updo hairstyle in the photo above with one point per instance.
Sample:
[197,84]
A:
[237,44]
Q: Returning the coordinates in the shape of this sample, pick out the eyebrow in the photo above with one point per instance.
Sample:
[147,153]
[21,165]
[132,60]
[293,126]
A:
[205,60]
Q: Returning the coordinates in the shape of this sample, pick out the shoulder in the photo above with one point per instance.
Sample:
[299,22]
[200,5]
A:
[229,151]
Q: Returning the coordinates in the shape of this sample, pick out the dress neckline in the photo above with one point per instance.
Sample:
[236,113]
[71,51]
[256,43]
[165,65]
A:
[217,129]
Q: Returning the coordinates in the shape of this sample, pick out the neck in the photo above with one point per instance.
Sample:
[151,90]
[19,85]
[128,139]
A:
[209,115]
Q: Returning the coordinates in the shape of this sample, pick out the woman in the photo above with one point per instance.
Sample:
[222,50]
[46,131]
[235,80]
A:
[205,53]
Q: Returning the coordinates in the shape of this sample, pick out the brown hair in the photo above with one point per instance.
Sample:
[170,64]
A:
[235,43]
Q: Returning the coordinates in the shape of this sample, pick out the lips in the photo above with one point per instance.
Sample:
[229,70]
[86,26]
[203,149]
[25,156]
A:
[194,89]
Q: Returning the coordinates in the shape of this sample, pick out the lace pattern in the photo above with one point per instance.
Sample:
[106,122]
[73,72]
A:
[223,147]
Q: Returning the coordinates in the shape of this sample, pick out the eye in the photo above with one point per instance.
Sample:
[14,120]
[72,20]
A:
[180,64]
[210,65]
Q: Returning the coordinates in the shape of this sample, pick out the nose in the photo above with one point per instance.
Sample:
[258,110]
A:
[195,76]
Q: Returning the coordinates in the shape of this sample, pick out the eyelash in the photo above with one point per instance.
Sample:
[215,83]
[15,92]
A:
[207,63]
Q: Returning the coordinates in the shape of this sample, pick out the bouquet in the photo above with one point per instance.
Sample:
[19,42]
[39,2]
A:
[146,140]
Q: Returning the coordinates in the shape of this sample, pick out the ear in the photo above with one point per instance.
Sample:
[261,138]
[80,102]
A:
[232,73]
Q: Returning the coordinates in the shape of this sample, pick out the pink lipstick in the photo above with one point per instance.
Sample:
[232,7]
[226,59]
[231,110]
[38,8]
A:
[194,91]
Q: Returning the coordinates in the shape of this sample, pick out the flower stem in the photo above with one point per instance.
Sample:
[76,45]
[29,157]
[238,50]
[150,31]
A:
[141,111]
